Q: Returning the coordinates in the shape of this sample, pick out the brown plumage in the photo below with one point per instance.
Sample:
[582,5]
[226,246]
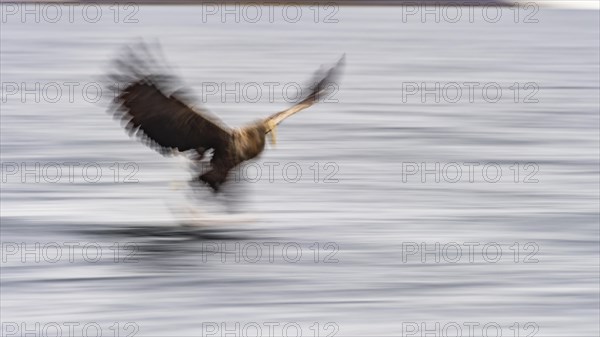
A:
[165,119]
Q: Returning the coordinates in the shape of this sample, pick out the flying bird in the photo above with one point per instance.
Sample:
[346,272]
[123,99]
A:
[153,106]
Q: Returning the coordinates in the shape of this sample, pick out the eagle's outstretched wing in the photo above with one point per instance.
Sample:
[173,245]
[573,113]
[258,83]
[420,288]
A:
[324,83]
[152,106]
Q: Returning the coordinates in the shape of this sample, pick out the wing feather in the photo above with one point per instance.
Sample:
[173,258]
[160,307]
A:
[162,117]
[324,82]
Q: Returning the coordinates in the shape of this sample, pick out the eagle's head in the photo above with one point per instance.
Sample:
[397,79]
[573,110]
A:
[250,140]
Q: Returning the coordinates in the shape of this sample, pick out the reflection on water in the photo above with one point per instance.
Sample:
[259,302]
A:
[367,240]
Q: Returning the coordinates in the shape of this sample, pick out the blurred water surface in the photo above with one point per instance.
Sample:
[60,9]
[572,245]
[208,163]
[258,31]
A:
[369,211]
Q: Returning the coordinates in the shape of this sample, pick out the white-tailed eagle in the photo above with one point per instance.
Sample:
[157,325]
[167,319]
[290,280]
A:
[152,105]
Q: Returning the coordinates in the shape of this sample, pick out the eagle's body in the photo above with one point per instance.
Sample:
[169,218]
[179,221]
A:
[244,144]
[154,108]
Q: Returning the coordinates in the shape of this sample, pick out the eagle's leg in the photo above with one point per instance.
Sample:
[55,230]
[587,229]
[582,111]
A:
[199,155]
[214,179]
